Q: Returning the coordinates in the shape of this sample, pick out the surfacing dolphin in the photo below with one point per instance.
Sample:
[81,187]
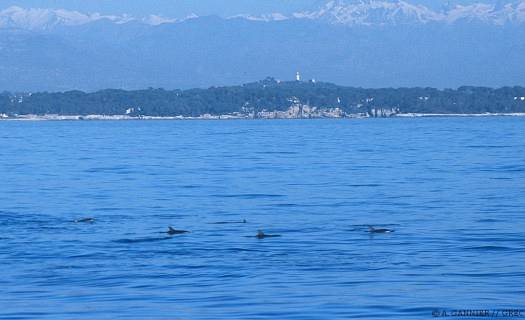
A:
[85,220]
[374,230]
[230,222]
[262,235]
[172,231]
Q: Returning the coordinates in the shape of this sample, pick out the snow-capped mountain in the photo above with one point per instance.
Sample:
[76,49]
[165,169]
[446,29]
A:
[338,12]
[265,17]
[508,13]
[384,12]
[46,19]
[33,19]
[399,12]
[372,12]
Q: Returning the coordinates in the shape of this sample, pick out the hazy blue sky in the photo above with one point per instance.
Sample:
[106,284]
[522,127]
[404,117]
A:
[178,8]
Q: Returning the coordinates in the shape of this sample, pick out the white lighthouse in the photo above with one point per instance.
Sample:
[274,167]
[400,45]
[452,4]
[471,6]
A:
[298,76]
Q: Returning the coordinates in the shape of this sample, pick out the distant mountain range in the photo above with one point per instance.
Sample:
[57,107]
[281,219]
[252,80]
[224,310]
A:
[381,12]
[370,43]
[47,19]
[344,12]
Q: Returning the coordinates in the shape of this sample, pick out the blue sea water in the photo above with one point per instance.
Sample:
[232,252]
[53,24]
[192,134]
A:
[452,188]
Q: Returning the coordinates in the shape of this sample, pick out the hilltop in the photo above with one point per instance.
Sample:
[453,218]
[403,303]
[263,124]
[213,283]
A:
[269,98]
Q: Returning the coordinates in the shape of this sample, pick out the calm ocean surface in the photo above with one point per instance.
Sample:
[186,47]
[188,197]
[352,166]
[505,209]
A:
[452,188]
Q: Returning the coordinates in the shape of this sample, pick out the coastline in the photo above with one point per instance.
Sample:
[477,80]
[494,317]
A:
[55,117]
[450,115]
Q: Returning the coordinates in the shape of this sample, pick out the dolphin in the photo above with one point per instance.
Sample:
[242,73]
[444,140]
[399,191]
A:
[374,230]
[85,220]
[230,222]
[172,231]
[262,235]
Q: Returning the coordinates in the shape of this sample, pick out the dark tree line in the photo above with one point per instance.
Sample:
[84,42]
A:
[264,95]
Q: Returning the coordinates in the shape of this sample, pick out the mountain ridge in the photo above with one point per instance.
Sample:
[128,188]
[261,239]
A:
[212,50]
[381,12]
[339,12]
